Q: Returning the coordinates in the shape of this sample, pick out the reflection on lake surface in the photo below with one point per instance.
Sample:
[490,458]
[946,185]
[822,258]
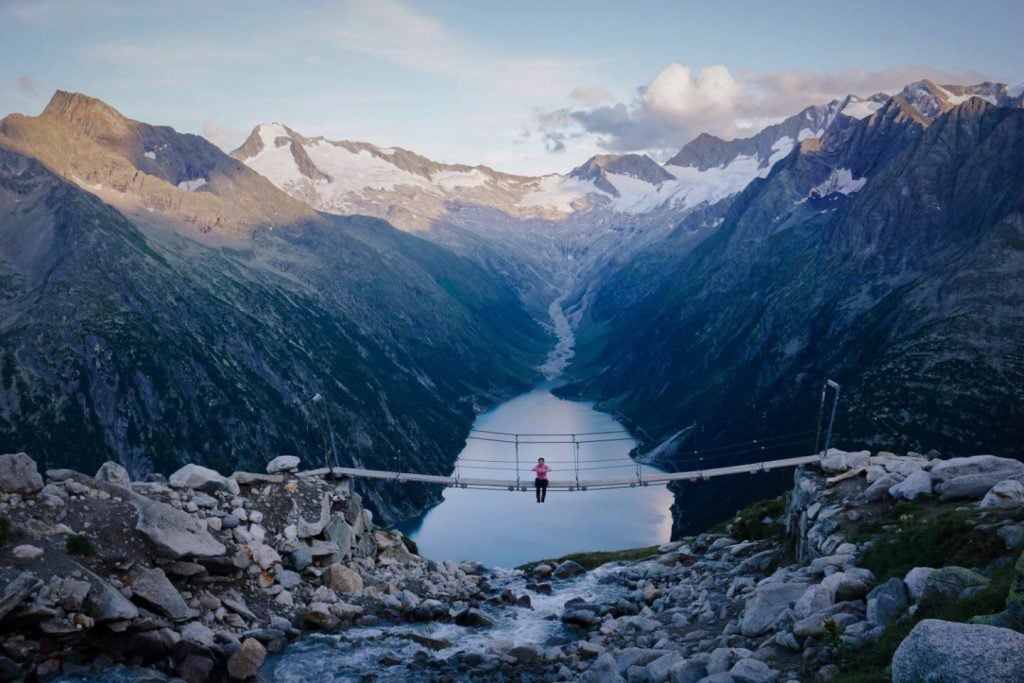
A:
[504,528]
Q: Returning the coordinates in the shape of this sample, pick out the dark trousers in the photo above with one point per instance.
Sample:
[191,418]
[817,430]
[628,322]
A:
[542,488]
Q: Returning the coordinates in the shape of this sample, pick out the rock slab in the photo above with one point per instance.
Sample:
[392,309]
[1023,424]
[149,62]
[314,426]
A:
[946,651]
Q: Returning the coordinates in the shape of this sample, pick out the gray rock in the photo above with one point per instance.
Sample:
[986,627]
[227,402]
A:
[201,478]
[603,670]
[72,593]
[750,670]
[887,602]
[689,671]
[976,464]
[767,605]
[814,599]
[16,591]
[247,659]
[660,669]
[567,569]
[299,559]
[527,654]
[939,651]
[27,552]
[1012,535]
[344,580]
[19,474]
[153,589]
[114,473]
[880,488]
[917,485]
[1008,493]
[198,634]
[173,533]
[837,461]
[949,582]
[106,603]
[915,581]
[473,617]
[283,463]
[306,529]
[288,579]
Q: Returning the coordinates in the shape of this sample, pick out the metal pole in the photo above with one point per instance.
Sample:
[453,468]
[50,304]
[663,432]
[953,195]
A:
[517,461]
[576,459]
[821,417]
[832,419]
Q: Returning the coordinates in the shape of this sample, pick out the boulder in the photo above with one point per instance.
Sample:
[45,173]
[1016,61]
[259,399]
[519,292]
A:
[72,593]
[1012,535]
[197,634]
[918,484]
[473,617]
[1008,493]
[750,670]
[343,579]
[568,568]
[660,669]
[915,581]
[283,463]
[247,659]
[27,552]
[114,473]
[603,670]
[767,606]
[15,592]
[880,488]
[173,533]
[887,602]
[153,589]
[837,461]
[106,603]
[977,464]
[946,651]
[319,616]
[949,582]
[19,474]
[201,478]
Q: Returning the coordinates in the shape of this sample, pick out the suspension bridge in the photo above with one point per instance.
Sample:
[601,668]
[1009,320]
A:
[601,473]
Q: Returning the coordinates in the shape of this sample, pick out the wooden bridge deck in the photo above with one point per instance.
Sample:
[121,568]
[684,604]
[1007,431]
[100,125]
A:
[571,484]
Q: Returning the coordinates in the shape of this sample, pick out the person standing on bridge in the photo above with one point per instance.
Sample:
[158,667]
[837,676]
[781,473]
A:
[541,482]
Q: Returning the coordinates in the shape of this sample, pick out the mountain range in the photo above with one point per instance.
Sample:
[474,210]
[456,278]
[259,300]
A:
[164,301]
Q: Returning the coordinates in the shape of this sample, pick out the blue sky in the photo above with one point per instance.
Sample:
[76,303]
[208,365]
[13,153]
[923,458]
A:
[523,86]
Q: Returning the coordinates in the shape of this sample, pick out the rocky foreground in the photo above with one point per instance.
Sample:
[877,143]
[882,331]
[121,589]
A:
[199,577]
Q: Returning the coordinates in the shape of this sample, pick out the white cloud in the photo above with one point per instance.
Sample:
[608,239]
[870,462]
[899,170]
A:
[396,32]
[679,103]
[222,136]
[591,95]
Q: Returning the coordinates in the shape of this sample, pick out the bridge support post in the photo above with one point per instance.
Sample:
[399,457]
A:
[517,462]
[576,459]
[832,418]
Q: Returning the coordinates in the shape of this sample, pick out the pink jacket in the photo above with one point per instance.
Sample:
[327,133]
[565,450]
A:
[541,470]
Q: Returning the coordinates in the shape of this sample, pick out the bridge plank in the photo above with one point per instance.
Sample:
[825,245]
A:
[567,484]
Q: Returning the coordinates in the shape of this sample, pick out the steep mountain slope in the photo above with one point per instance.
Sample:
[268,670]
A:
[131,341]
[887,255]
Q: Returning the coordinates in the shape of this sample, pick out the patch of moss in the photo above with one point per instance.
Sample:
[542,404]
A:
[749,525]
[596,559]
[79,544]
[928,537]
[410,545]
